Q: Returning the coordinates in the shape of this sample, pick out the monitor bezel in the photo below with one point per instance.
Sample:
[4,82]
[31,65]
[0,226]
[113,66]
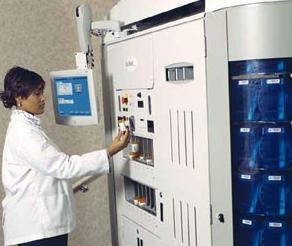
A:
[76,120]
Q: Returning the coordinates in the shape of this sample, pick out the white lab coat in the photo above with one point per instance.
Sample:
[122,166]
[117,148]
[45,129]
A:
[36,177]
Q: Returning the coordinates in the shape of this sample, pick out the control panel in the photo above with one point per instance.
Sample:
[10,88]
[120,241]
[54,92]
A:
[134,110]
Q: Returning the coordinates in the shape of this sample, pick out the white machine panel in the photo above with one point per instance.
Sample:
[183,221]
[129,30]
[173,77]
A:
[274,38]
[144,9]
[170,84]
[182,153]
[218,128]
[131,63]
[147,9]
[212,5]
[134,176]
[168,117]
[134,235]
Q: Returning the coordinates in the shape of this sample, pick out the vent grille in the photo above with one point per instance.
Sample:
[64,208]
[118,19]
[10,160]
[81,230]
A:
[184,223]
[182,138]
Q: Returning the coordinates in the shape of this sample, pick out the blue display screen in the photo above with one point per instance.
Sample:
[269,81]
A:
[72,96]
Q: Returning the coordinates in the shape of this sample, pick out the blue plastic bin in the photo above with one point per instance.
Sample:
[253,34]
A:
[261,90]
[264,99]
[262,231]
[262,146]
[263,193]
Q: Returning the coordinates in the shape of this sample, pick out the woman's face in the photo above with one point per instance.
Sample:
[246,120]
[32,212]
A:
[34,103]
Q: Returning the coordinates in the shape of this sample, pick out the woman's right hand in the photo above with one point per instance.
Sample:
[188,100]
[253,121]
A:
[120,141]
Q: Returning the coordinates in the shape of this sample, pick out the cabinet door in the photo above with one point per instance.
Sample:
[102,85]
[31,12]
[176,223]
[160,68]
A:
[182,168]
[135,235]
[130,63]
[219,129]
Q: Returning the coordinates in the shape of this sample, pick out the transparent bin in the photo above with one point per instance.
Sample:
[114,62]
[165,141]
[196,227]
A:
[260,66]
[263,193]
[261,90]
[262,146]
[262,231]
[265,99]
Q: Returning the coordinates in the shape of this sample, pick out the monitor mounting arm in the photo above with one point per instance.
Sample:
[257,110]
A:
[85,27]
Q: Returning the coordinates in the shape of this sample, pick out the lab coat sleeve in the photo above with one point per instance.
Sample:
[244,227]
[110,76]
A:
[41,154]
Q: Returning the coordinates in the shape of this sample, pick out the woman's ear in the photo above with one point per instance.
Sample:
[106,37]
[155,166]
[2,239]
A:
[18,102]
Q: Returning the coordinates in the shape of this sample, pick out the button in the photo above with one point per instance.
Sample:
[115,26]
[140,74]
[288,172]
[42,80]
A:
[125,99]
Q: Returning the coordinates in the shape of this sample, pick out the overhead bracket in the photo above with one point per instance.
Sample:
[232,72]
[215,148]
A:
[101,28]
[85,27]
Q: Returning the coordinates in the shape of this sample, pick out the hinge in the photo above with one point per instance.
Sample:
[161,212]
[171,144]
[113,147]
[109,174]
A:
[205,44]
[101,28]
[211,213]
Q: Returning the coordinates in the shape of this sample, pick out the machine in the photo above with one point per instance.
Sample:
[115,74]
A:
[205,87]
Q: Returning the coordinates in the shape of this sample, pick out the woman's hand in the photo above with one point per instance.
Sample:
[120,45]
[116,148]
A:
[120,141]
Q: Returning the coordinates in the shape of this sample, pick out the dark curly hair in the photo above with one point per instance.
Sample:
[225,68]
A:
[19,82]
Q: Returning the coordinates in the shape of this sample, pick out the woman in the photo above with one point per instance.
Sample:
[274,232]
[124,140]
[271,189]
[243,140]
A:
[38,208]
